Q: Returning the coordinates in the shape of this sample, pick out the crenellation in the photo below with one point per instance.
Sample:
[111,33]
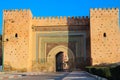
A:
[95,9]
[47,18]
[17,22]
[83,18]
[108,9]
[61,17]
[37,18]
[26,36]
[104,9]
[64,17]
[13,10]
[57,17]
[72,17]
[59,20]
[68,17]
[76,17]
[104,22]
[33,18]
[99,9]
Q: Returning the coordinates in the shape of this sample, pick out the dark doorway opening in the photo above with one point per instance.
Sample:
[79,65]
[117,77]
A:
[59,61]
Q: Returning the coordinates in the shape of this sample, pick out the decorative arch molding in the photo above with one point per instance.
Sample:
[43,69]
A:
[51,57]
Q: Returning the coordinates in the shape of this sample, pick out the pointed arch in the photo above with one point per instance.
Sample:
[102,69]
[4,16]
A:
[51,59]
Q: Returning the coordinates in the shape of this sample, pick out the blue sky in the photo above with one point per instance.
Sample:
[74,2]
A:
[57,7]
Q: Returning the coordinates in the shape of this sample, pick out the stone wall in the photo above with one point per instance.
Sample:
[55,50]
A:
[59,21]
[105,35]
[20,32]
[26,39]
[46,31]
[16,39]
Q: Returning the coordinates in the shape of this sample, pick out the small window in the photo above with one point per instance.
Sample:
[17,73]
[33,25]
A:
[12,21]
[7,39]
[16,35]
[104,35]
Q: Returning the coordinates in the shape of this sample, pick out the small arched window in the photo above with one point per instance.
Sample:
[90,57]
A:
[104,35]
[16,35]
[7,39]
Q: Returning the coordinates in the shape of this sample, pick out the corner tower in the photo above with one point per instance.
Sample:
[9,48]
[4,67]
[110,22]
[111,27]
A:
[105,35]
[16,39]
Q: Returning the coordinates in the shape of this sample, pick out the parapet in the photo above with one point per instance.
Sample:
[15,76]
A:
[97,12]
[16,10]
[108,10]
[62,20]
[14,13]
[61,17]
[99,9]
[26,14]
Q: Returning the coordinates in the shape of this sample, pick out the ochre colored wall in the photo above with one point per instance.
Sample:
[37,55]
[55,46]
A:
[105,36]
[16,39]
[59,21]
[97,37]
[51,32]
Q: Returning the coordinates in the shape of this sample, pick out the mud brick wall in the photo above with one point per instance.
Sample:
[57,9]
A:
[16,38]
[59,21]
[105,35]
[21,34]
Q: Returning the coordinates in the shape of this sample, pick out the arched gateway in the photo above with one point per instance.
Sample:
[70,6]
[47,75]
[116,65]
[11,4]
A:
[37,43]
[61,58]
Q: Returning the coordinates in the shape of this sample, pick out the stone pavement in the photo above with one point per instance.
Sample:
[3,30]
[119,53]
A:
[75,75]
[82,75]
[9,76]
[15,75]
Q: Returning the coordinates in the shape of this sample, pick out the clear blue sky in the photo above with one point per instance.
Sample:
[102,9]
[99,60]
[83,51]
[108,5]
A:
[57,7]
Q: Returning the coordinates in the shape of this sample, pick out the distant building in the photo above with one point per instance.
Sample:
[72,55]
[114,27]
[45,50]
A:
[60,43]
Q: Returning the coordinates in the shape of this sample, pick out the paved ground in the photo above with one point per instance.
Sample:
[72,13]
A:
[79,76]
[59,76]
[43,76]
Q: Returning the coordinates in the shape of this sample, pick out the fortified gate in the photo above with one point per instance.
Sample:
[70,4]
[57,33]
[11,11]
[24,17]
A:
[59,43]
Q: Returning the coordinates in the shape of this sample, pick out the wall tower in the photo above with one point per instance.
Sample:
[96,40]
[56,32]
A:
[16,39]
[105,35]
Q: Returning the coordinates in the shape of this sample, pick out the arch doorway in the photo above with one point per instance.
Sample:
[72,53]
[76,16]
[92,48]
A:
[60,58]
[59,61]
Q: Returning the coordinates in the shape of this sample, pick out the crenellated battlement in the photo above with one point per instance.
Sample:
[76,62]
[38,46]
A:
[17,17]
[99,9]
[29,41]
[62,17]
[16,10]
[16,13]
[60,20]
[104,32]
[104,12]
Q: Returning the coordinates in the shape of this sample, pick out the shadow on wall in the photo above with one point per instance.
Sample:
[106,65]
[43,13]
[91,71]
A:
[79,41]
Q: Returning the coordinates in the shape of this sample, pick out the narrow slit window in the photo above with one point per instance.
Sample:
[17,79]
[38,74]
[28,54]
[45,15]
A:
[7,39]
[16,35]
[104,35]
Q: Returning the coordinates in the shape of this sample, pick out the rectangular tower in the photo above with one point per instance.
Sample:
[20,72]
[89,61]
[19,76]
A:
[17,40]
[105,35]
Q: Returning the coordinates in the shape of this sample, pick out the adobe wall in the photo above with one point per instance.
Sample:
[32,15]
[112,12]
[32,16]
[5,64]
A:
[17,39]
[59,21]
[105,35]
[50,32]
[23,37]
